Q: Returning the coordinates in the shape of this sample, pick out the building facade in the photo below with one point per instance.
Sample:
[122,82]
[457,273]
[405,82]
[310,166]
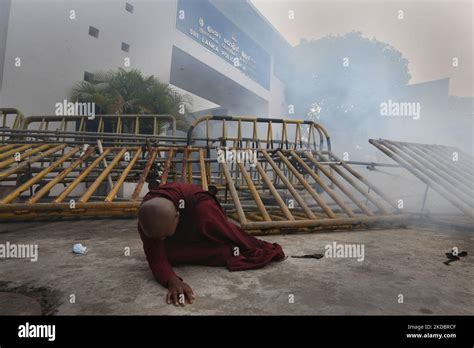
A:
[225,54]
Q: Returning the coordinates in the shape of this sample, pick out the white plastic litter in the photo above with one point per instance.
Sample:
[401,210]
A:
[79,249]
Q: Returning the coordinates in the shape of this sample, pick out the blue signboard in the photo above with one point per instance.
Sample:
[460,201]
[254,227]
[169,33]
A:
[205,24]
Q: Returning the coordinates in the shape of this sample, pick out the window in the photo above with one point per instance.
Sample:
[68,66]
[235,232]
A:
[128,7]
[88,76]
[94,32]
[125,47]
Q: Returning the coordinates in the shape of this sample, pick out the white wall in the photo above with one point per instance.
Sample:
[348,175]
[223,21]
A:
[4,14]
[278,108]
[56,50]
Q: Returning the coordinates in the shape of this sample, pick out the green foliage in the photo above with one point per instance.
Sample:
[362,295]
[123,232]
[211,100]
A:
[130,92]
[322,87]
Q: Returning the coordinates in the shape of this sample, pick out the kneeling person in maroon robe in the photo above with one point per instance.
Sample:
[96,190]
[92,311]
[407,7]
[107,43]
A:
[182,224]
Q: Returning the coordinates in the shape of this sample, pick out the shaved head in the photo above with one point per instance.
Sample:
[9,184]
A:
[158,218]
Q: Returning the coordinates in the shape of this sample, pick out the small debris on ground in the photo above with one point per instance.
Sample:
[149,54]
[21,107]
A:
[454,256]
[309,256]
[79,249]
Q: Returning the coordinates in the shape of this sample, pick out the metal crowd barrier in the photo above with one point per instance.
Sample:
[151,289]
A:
[118,124]
[446,169]
[288,179]
[10,118]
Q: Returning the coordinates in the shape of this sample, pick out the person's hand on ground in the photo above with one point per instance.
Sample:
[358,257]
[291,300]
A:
[179,292]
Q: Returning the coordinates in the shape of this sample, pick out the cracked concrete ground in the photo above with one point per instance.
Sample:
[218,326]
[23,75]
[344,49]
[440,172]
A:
[406,262]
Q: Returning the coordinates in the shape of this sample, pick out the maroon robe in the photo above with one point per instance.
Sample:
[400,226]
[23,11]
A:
[204,236]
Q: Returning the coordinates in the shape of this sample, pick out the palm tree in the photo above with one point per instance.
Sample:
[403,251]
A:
[124,92]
